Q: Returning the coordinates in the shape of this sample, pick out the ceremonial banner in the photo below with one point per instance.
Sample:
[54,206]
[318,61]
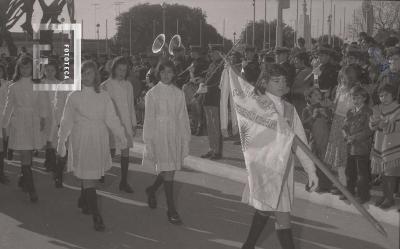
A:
[266,141]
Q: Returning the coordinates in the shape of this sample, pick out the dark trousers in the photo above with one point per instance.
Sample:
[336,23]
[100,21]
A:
[214,128]
[358,175]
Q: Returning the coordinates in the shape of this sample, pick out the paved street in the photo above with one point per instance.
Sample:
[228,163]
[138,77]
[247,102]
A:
[210,206]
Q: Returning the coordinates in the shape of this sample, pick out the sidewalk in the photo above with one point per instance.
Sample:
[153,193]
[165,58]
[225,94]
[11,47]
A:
[232,167]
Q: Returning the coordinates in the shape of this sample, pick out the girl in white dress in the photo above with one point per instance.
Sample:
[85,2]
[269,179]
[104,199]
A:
[28,110]
[121,93]
[50,73]
[274,86]
[87,115]
[166,134]
[4,84]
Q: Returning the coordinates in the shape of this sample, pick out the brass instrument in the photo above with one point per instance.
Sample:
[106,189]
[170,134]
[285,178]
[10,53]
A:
[159,44]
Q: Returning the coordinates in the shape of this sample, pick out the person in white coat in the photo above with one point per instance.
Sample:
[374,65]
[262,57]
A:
[58,104]
[275,86]
[166,134]
[87,115]
[121,93]
[28,110]
[50,72]
[4,85]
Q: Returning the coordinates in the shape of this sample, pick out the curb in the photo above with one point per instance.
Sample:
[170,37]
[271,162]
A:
[391,216]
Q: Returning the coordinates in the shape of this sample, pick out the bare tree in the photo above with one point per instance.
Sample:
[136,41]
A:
[386,15]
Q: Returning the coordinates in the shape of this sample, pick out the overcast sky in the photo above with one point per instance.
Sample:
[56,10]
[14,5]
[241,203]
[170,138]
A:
[235,12]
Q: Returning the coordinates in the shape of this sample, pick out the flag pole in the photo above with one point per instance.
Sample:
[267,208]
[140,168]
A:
[297,142]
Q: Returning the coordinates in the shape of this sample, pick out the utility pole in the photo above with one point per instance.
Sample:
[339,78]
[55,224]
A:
[265,23]
[254,22]
[278,37]
[130,35]
[323,17]
[107,38]
[164,7]
[297,22]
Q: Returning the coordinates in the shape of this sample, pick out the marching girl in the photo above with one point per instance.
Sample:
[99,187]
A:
[274,86]
[166,134]
[4,85]
[28,110]
[58,104]
[121,93]
[87,115]
[50,74]
[385,156]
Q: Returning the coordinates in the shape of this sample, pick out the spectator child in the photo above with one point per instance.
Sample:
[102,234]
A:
[385,156]
[336,152]
[316,120]
[358,136]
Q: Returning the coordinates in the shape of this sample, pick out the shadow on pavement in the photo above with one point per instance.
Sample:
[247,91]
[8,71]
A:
[213,220]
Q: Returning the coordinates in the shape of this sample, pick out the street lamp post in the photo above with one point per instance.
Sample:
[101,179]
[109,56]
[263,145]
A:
[234,37]
[265,23]
[254,21]
[98,39]
[164,7]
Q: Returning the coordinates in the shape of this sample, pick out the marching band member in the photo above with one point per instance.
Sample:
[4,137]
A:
[211,104]
[250,66]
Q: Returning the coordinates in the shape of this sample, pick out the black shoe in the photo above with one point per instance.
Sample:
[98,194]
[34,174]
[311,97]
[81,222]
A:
[173,218]
[237,143]
[247,247]
[98,223]
[33,196]
[322,190]
[151,198]
[387,204]
[10,154]
[58,183]
[4,179]
[207,155]
[102,179]
[336,191]
[22,184]
[125,187]
[216,157]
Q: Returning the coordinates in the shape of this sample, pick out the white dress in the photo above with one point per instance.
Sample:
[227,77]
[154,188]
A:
[121,93]
[85,120]
[166,129]
[25,107]
[4,86]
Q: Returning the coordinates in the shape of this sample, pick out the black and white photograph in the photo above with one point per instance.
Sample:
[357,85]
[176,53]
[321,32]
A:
[199,124]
